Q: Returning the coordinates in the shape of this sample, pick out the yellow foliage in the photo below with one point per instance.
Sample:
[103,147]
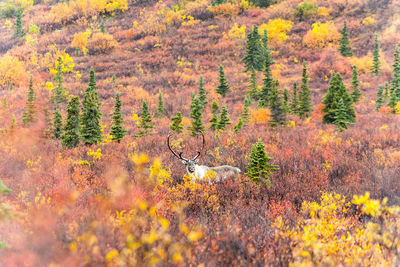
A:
[227,9]
[101,43]
[326,236]
[321,35]
[363,63]
[95,154]
[324,12]
[397,108]
[277,30]
[24,4]
[11,70]
[368,21]
[260,116]
[80,40]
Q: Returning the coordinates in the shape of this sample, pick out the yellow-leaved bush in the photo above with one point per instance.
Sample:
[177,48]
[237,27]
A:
[321,35]
[277,30]
[327,235]
[101,43]
[11,70]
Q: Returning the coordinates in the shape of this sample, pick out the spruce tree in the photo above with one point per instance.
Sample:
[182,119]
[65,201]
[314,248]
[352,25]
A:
[253,87]
[278,115]
[117,129]
[19,30]
[214,118]
[196,113]
[395,82]
[70,136]
[265,51]
[345,48]
[246,116]
[11,86]
[202,93]
[223,119]
[336,91]
[294,105]
[386,91]
[102,29]
[57,124]
[176,124]
[304,97]
[259,169]
[59,90]
[30,108]
[341,119]
[253,57]
[90,120]
[285,103]
[356,94]
[223,86]
[160,107]
[380,101]
[145,121]
[239,125]
[268,82]
[376,62]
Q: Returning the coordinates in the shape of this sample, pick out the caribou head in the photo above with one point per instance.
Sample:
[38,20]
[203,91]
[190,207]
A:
[201,172]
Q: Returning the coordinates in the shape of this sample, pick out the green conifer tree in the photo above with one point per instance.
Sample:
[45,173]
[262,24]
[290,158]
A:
[253,57]
[376,65]
[239,125]
[304,97]
[294,104]
[265,51]
[223,86]
[278,115]
[223,119]
[57,124]
[202,93]
[90,120]
[160,107]
[386,91]
[102,28]
[356,94]
[59,91]
[336,91]
[196,113]
[145,121]
[395,82]
[30,108]
[246,116]
[19,30]
[285,103]
[259,169]
[214,118]
[341,119]
[11,86]
[117,129]
[70,136]
[176,124]
[268,81]
[253,87]
[381,100]
[345,48]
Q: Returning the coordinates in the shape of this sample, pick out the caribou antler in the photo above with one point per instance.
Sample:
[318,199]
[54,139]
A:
[202,147]
[179,156]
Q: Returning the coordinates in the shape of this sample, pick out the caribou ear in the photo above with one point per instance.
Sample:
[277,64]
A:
[196,161]
[184,162]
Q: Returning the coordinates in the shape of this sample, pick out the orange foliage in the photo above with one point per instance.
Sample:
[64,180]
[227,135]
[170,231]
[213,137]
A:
[101,43]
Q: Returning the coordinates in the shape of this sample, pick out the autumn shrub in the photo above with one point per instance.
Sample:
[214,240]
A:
[101,43]
[277,30]
[8,9]
[199,10]
[11,70]
[321,35]
[226,9]
[328,235]
[80,40]
[306,10]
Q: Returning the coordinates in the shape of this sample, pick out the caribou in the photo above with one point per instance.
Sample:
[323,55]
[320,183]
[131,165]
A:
[202,172]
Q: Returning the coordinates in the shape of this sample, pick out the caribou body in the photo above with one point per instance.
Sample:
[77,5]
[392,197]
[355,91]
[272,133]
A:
[202,172]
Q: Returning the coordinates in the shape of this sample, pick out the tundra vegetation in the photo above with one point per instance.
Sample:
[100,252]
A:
[302,96]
